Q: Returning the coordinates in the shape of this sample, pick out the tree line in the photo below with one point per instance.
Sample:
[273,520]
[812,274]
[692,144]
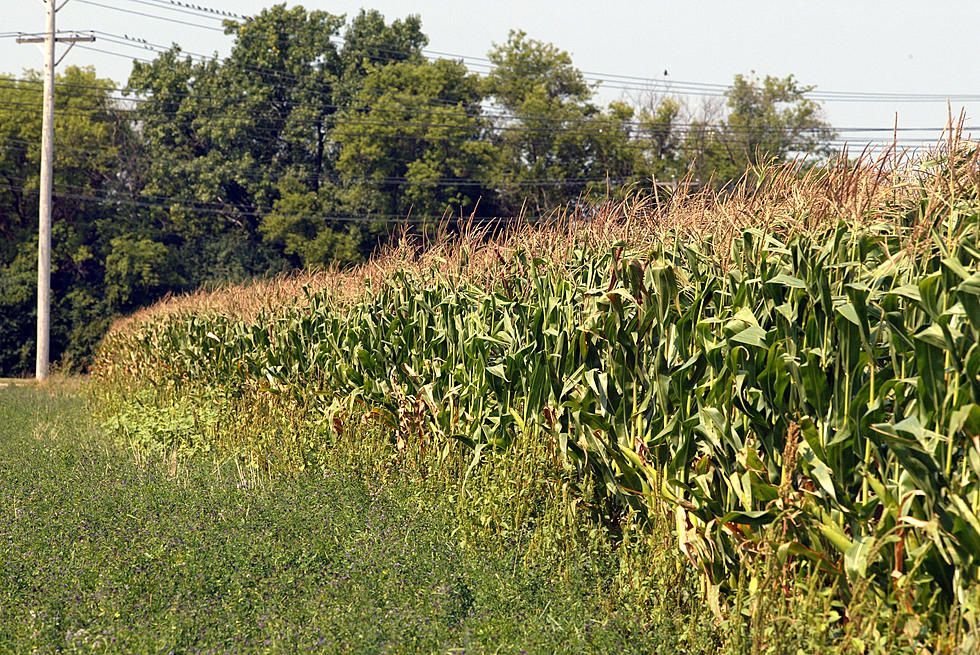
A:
[314,138]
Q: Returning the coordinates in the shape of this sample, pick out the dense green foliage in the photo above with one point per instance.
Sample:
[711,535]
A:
[312,141]
[812,399]
[99,263]
[115,554]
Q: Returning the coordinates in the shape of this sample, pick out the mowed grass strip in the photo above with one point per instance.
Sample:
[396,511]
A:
[100,552]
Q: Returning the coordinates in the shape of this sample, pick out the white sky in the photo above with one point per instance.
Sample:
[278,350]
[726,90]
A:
[896,46]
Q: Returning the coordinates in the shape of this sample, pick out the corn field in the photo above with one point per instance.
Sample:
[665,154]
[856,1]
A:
[814,394]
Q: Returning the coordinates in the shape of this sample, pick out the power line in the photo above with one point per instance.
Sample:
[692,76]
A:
[637,136]
[610,80]
[653,132]
[213,14]
[163,18]
[394,219]
[142,60]
[141,43]
[591,121]
[388,179]
[639,83]
[700,88]
[637,141]
[636,83]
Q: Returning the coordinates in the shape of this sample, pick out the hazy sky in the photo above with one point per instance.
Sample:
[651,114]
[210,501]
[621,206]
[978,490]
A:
[897,46]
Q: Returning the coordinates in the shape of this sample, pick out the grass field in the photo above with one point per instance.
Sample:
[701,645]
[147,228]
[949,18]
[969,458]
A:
[103,551]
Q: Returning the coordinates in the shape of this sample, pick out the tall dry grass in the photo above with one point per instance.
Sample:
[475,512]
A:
[778,199]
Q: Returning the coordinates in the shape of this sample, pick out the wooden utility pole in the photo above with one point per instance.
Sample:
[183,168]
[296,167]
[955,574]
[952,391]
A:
[49,39]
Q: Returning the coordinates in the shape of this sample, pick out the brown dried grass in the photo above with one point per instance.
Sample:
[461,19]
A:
[778,199]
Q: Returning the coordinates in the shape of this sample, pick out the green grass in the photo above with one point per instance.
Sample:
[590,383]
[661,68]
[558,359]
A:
[103,551]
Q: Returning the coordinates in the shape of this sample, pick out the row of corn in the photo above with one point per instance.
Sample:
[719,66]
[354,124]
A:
[816,397]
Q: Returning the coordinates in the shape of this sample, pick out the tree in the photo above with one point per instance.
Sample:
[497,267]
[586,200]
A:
[409,143]
[662,139]
[300,222]
[767,120]
[412,141]
[555,145]
[370,42]
[243,147]
[222,138]
[90,138]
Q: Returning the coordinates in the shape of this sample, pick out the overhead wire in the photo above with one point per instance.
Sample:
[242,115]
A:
[147,15]
[273,136]
[194,8]
[641,142]
[635,81]
[675,128]
[389,179]
[180,7]
[393,219]
[141,43]
[610,80]
[558,125]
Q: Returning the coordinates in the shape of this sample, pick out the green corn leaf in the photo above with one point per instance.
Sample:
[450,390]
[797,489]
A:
[817,469]
[857,556]
[910,291]
[933,335]
[848,311]
[497,371]
[751,336]
[787,281]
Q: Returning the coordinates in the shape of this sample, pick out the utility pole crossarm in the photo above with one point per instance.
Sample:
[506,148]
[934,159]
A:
[57,39]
